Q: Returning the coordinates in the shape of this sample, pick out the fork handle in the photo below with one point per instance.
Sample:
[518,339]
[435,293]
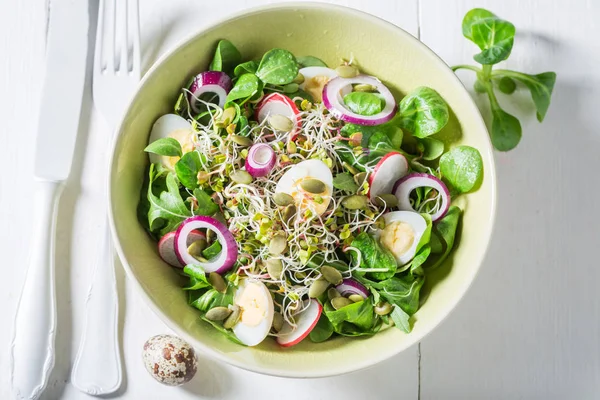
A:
[97,368]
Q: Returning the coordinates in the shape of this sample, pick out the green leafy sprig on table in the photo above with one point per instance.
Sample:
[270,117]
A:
[495,38]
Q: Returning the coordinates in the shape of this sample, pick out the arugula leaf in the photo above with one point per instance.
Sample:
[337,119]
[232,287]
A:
[401,319]
[248,67]
[310,61]
[506,129]
[364,103]
[228,334]
[375,142]
[432,148]
[165,147]
[212,298]
[322,330]
[462,167]
[494,36]
[226,57]
[423,112]
[197,276]
[277,67]
[445,233]
[168,209]
[245,87]
[359,314]
[187,169]
[212,251]
[206,204]
[540,86]
[402,291]
[377,261]
[344,181]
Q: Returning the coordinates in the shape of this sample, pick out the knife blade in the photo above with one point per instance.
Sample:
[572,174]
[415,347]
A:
[32,345]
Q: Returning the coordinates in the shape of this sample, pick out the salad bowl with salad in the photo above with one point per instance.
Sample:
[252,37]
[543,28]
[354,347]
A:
[295,199]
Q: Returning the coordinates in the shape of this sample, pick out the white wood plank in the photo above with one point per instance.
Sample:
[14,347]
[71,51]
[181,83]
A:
[529,328]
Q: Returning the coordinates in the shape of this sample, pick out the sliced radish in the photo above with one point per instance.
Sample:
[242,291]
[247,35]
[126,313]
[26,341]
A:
[216,82]
[305,322]
[166,247]
[388,170]
[221,263]
[404,187]
[279,104]
[350,286]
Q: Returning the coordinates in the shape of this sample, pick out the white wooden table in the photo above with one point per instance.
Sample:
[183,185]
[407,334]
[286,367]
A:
[529,327]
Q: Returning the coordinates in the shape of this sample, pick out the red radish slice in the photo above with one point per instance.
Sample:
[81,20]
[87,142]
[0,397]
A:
[305,322]
[261,160]
[388,170]
[277,103]
[215,82]
[166,247]
[404,187]
[333,101]
[350,286]
[221,263]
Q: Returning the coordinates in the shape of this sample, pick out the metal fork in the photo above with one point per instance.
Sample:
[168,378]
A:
[97,368]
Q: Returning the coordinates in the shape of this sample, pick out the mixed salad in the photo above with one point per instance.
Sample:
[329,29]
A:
[300,200]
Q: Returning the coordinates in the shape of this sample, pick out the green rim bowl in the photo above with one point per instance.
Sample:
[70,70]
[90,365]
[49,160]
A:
[330,33]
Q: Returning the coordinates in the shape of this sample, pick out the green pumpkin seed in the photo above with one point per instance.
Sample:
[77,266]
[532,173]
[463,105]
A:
[288,214]
[217,282]
[346,71]
[299,79]
[291,147]
[283,199]
[218,313]
[340,302]
[355,202]
[280,123]
[241,140]
[277,321]
[332,275]
[233,318]
[355,298]
[312,185]
[383,308]
[274,268]
[364,87]
[290,88]
[195,249]
[210,236]
[317,288]
[386,200]
[277,245]
[242,177]
[360,178]
[332,293]
[349,168]
[228,116]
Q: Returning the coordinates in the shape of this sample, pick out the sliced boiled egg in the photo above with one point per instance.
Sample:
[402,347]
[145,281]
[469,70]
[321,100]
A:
[402,233]
[176,127]
[292,181]
[315,79]
[256,312]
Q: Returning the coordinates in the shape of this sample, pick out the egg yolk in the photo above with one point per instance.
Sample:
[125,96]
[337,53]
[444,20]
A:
[185,138]
[253,303]
[398,237]
[315,202]
[315,85]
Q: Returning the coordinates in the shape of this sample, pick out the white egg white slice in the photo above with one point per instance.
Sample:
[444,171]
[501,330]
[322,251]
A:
[402,233]
[290,183]
[176,127]
[257,310]
[314,80]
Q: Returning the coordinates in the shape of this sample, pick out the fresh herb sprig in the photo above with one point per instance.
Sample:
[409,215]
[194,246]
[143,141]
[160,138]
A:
[495,38]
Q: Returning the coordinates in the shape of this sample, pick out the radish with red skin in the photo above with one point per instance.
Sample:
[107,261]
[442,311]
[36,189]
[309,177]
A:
[404,187]
[279,104]
[215,82]
[166,247]
[389,169]
[305,322]
[349,287]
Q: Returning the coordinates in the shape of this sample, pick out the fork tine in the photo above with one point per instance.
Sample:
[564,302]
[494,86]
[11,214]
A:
[135,30]
[98,53]
[111,37]
[124,44]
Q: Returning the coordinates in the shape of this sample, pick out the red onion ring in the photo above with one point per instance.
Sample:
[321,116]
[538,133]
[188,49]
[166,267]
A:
[350,286]
[404,187]
[261,160]
[215,82]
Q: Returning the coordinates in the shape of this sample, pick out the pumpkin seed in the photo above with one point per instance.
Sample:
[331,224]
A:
[291,147]
[233,318]
[274,268]
[386,200]
[217,282]
[359,178]
[210,235]
[241,140]
[347,71]
[364,87]
[288,214]
[277,245]
[290,88]
[241,177]
[228,116]
[383,308]
[312,185]
[280,123]
[283,199]
[340,302]
[277,321]
[317,288]
[355,202]
[218,313]
[195,249]
[332,275]
[299,78]
[349,168]
[355,298]
[332,293]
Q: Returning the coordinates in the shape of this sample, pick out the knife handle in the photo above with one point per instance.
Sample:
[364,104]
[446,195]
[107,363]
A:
[32,346]
[97,368]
